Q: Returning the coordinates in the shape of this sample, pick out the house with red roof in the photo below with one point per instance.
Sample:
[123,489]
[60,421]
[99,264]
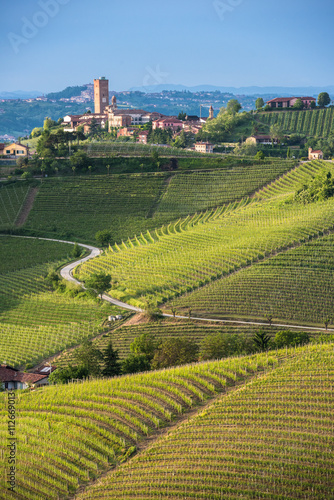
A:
[168,122]
[11,378]
[288,102]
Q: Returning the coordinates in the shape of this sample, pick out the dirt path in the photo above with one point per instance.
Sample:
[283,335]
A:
[26,207]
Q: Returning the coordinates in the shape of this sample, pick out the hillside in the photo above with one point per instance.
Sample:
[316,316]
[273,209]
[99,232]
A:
[193,252]
[312,123]
[87,428]
[222,242]
[129,204]
[272,439]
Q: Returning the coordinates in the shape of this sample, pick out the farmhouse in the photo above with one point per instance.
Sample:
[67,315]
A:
[288,102]
[16,149]
[315,154]
[11,378]
[260,139]
[204,147]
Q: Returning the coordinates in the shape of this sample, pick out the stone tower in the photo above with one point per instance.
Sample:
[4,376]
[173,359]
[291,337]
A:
[114,102]
[101,94]
[211,113]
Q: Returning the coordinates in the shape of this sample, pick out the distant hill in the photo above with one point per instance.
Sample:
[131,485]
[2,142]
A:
[67,93]
[254,90]
[20,94]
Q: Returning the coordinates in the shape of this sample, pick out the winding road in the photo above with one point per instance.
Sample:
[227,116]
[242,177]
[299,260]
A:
[67,273]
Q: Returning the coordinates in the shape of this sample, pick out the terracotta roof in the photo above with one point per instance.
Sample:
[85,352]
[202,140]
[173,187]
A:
[10,374]
[261,136]
[171,119]
[316,151]
[284,99]
[130,112]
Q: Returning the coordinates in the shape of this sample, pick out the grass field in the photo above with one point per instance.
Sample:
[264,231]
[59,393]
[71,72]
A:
[67,435]
[315,123]
[271,439]
[34,321]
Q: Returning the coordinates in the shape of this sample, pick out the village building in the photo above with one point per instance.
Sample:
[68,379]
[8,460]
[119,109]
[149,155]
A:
[264,140]
[288,102]
[142,137]
[127,117]
[204,147]
[72,122]
[315,154]
[16,149]
[168,122]
[127,132]
[2,147]
[11,378]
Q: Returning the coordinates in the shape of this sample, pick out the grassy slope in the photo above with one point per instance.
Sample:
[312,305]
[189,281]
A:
[86,428]
[35,322]
[271,439]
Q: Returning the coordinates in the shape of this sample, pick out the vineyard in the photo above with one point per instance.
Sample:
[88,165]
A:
[191,192]
[12,198]
[34,321]
[296,286]
[315,123]
[129,204]
[185,256]
[271,439]
[68,435]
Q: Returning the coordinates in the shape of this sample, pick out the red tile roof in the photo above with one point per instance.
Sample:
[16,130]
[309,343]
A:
[10,374]
[285,99]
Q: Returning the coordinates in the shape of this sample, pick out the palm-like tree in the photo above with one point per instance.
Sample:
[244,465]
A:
[261,341]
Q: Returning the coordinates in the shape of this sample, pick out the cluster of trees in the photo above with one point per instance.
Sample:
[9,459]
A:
[320,188]
[218,129]
[146,353]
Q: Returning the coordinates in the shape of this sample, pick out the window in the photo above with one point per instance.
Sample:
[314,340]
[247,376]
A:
[8,151]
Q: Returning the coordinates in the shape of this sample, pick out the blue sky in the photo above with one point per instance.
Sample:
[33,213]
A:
[49,44]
